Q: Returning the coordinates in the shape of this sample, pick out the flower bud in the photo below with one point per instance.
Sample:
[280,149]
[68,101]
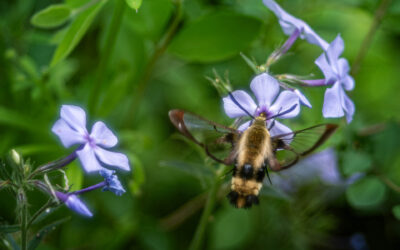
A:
[15,156]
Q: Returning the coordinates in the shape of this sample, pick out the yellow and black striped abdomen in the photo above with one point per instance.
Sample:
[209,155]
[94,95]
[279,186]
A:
[249,170]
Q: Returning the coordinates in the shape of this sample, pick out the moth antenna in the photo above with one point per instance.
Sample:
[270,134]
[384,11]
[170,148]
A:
[284,112]
[272,125]
[238,104]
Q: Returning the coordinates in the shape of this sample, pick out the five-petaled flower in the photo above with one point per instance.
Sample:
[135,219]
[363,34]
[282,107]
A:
[74,203]
[336,72]
[265,88]
[295,27]
[112,182]
[71,129]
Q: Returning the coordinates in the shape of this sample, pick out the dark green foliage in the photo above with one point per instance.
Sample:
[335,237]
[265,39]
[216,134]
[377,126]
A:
[50,55]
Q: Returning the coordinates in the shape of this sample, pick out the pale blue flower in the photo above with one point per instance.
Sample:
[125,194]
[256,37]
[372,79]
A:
[291,25]
[74,203]
[112,182]
[266,90]
[71,129]
[336,72]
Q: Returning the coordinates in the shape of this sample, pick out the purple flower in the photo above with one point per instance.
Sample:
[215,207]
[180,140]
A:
[112,182]
[71,129]
[291,25]
[74,203]
[265,88]
[336,72]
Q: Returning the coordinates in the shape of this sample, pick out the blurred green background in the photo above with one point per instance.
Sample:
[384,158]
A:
[128,68]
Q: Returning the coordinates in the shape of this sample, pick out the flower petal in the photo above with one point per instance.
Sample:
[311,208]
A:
[335,49]
[244,99]
[302,98]
[314,38]
[285,101]
[76,205]
[103,136]
[348,83]
[265,88]
[88,159]
[348,107]
[244,126]
[290,23]
[322,63]
[113,184]
[75,117]
[67,135]
[343,66]
[279,129]
[333,102]
[113,158]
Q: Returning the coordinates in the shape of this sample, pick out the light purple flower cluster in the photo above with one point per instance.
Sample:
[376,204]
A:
[266,90]
[71,129]
[335,69]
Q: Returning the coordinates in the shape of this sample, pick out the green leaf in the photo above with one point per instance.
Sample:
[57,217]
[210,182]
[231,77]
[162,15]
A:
[215,37]
[232,221]
[366,193]
[46,214]
[194,169]
[43,232]
[354,162]
[134,4]
[9,228]
[16,119]
[396,211]
[75,32]
[75,176]
[51,17]
[33,149]
[138,174]
[10,242]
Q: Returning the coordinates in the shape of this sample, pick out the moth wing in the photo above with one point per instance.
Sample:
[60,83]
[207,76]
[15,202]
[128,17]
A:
[291,147]
[217,140]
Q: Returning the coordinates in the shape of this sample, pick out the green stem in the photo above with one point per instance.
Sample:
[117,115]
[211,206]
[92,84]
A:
[138,93]
[24,218]
[201,227]
[390,183]
[379,14]
[49,203]
[106,55]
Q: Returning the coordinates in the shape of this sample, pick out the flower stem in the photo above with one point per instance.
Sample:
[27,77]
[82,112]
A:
[314,83]
[24,218]
[107,51]
[137,95]
[276,55]
[54,165]
[96,186]
[49,203]
[201,227]
[379,14]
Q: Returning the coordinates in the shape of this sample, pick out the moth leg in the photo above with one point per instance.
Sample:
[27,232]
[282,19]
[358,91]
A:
[265,170]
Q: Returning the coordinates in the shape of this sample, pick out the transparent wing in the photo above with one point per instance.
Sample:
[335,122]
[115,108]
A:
[217,140]
[289,148]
